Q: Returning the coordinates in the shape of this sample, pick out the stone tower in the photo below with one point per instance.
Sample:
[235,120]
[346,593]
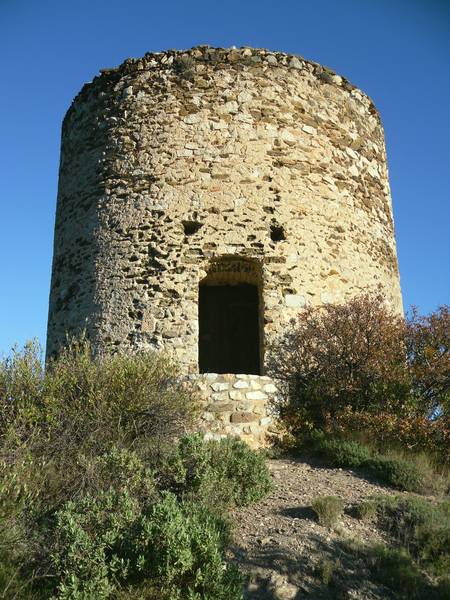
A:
[205,197]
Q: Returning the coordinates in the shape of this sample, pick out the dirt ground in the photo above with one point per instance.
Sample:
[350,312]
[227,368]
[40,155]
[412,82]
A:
[287,555]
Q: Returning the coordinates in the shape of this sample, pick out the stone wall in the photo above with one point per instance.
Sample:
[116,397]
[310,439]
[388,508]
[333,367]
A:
[179,162]
[236,405]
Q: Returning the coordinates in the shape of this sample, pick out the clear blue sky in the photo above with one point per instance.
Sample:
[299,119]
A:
[397,51]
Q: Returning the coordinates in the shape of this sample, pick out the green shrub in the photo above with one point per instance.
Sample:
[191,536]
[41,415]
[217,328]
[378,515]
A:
[63,417]
[418,435]
[403,474]
[366,510]
[338,452]
[220,474]
[412,475]
[420,526]
[86,552]
[395,569]
[397,472]
[326,570]
[185,549]
[328,509]
[103,544]
[84,449]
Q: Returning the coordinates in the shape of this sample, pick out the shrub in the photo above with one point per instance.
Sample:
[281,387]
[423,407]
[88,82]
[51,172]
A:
[326,570]
[428,352]
[423,528]
[125,536]
[397,472]
[184,67]
[221,474]
[395,569]
[361,357]
[413,433]
[79,407]
[366,510]
[185,550]
[103,544]
[337,452]
[413,474]
[341,355]
[87,451]
[328,509]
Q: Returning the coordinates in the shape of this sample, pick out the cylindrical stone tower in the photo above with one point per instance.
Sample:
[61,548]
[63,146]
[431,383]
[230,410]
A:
[206,196]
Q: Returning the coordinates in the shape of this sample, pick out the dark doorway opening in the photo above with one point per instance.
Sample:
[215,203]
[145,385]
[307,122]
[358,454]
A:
[229,329]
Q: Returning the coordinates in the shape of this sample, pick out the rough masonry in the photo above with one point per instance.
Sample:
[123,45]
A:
[206,196]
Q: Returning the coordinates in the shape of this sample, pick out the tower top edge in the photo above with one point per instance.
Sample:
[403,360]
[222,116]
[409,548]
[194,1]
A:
[248,56]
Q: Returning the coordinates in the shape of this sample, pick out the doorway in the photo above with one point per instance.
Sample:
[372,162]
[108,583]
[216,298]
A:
[229,340]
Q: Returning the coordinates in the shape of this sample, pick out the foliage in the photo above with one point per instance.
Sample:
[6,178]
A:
[63,417]
[394,568]
[413,561]
[399,473]
[359,371]
[413,433]
[328,509]
[184,67]
[412,473]
[362,358]
[335,451]
[326,570]
[428,354]
[101,494]
[340,355]
[104,543]
[366,510]
[225,473]
[420,526]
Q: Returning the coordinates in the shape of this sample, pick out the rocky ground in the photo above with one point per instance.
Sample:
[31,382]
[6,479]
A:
[287,555]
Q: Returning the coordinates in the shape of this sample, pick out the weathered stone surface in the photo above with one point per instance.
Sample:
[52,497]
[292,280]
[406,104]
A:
[257,395]
[221,407]
[243,417]
[295,300]
[249,419]
[219,387]
[235,147]
[270,388]
[240,384]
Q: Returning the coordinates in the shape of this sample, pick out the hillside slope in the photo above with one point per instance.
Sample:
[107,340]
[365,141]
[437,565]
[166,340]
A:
[287,555]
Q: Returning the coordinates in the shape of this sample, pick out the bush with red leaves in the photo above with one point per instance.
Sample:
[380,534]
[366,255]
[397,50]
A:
[363,358]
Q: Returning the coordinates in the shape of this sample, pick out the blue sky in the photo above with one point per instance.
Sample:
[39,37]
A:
[397,51]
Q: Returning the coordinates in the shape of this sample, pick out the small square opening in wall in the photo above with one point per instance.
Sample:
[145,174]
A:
[191,227]
[277,233]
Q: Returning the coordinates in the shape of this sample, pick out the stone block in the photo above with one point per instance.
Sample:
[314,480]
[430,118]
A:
[220,387]
[270,388]
[295,300]
[256,395]
[241,384]
[243,417]
[218,407]
[219,396]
